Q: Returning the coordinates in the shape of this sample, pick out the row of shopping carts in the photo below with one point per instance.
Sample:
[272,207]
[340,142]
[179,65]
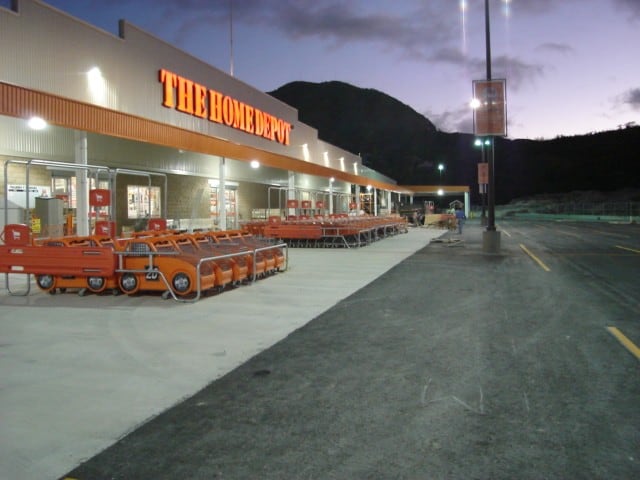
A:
[336,231]
[177,264]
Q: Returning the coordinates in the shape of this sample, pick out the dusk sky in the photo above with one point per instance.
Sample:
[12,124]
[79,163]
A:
[571,66]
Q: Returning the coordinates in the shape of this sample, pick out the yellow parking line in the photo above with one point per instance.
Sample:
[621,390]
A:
[626,343]
[627,248]
[537,260]
[506,233]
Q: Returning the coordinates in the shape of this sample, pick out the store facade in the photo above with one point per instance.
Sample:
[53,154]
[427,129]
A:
[165,134]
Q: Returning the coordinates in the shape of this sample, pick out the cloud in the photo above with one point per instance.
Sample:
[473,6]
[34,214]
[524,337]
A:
[632,98]
[411,33]
[341,22]
[633,6]
[416,31]
[545,6]
[517,71]
[541,6]
[552,47]
[424,34]
[460,120]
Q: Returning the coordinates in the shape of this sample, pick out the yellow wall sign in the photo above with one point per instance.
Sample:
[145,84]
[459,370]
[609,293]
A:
[35,225]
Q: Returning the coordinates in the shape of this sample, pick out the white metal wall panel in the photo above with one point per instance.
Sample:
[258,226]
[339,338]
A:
[47,50]
[17,139]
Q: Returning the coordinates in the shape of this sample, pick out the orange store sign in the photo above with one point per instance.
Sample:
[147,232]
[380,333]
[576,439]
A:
[194,99]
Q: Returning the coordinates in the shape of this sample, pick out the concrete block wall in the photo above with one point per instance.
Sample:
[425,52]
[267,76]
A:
[250,196]
[188,197]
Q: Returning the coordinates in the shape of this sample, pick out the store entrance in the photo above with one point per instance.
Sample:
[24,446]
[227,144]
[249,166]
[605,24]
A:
[230,204]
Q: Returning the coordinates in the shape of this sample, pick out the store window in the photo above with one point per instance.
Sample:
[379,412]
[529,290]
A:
[143,201]
[230,200]
[64,187]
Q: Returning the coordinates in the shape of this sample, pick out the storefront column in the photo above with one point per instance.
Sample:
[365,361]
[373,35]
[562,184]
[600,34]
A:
[330,196]
[389,204]
[466,204]
[291,193]
[222,204]
[375,202]
[82,190]
[358,199]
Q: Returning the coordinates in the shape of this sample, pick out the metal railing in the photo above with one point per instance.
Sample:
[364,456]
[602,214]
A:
[605,211]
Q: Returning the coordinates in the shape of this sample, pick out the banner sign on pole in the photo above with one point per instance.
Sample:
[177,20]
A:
[490,114]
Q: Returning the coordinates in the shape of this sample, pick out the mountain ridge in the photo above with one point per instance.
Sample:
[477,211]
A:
[394,139]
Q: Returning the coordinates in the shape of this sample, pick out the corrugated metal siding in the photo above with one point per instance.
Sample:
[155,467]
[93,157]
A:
[17,139]
[45,50]
[22,103]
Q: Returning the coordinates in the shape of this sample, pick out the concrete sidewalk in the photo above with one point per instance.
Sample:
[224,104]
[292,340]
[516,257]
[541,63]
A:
[451,365]
[78,373]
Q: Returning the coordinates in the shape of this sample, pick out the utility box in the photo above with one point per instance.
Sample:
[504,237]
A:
[50,211]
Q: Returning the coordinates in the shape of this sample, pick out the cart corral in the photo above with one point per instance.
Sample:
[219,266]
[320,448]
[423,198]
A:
[177,264]
[334,231]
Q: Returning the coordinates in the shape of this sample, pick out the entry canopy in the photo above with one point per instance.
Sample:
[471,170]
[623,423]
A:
[435,189]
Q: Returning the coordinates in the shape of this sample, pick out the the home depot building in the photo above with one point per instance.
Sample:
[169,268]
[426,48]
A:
[169,135]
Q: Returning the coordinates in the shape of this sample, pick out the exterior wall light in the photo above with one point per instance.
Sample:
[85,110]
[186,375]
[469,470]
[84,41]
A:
[36,123]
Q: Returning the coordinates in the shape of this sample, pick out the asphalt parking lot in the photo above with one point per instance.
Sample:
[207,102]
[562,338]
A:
[78,373]
[452,364]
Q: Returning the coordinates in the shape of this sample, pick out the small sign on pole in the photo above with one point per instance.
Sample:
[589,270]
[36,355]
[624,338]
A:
[483,173]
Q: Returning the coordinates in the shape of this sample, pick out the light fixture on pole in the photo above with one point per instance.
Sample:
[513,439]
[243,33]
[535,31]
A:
[440,169]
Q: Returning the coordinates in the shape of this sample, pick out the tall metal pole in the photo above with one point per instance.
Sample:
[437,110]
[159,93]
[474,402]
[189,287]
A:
[487,37]
[231,37]
[491,223]
[484,187]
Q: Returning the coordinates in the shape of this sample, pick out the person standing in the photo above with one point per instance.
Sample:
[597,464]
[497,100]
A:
[460,218]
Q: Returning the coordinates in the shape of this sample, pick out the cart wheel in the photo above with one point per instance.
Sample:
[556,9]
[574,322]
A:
[46,283]
[96,284]
[181,283]
[129,283]
[82,292]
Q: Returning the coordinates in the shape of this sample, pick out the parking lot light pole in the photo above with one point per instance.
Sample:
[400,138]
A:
[490,237]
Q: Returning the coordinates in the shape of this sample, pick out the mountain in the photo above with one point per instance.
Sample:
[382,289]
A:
[397,141]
